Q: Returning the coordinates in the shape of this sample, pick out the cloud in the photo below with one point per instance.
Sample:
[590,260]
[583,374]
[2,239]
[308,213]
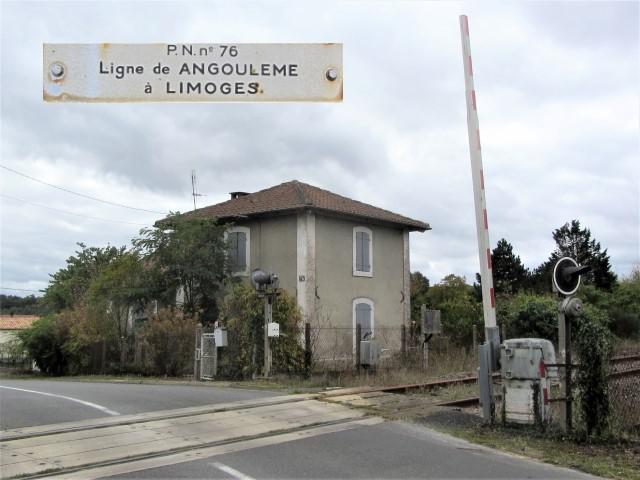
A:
[557,96]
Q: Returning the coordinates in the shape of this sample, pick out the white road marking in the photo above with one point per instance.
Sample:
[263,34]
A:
[209,452]
[231,471]
[77,400]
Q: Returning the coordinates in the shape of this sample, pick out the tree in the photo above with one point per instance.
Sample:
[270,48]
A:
[118,288]
[186,254]
[576,242]
[509,274]
[69,285]
[14,305]
[624,309]
[419,289]
[459,309]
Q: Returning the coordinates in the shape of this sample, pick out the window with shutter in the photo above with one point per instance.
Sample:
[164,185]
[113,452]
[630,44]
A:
[363,314]
[362,252]
[239,248]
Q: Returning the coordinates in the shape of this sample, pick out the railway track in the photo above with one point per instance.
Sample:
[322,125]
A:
[622,366]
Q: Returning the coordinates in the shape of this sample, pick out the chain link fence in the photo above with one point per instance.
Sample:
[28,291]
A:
[624,394]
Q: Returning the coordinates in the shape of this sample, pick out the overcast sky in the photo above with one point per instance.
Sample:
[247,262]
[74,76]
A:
[558,101]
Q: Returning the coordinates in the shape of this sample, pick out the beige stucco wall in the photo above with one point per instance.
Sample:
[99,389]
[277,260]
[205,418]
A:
[273,248]
[338,287]
[274,242]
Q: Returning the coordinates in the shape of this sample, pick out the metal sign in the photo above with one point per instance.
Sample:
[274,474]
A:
[192,72]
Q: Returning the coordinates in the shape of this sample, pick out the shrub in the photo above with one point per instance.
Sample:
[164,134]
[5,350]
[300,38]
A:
[44,341]
[242,313]
[530,316]
[170,337]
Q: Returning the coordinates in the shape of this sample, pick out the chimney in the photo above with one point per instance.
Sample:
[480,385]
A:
[235,195]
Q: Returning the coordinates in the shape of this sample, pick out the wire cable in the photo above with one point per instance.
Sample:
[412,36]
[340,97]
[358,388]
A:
[72,213]
[21,289]
[108,202]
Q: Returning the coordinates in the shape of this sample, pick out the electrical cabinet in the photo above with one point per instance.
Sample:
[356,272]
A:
[526,379]
[220,337]
[369,352]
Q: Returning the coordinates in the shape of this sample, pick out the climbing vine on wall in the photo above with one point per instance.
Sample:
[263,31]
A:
[593,346]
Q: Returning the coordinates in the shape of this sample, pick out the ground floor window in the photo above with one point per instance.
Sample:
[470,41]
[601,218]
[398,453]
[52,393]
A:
[363,310]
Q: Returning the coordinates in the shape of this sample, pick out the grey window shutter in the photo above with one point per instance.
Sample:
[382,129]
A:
[363,317]
[366,244]
[233,251]
[359,264]
[242,251]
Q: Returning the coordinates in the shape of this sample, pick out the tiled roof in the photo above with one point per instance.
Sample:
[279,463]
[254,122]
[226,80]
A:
[296,195]
[16,322]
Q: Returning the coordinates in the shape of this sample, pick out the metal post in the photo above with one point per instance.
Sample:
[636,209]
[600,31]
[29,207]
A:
[474,333]
[568,367]
[103,360]
[268,313]
[307,348]
[562,357]
[197,353]
[358,337]
[215,359]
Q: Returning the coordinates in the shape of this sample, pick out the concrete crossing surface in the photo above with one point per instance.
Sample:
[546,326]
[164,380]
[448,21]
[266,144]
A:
[66,448]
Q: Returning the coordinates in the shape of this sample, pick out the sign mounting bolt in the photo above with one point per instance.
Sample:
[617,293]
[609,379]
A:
[57,70]
[332,74]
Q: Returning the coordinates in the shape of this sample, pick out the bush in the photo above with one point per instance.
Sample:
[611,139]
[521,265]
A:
[44,341]
[242,313]
[593,346]
[530,316]
[170,337]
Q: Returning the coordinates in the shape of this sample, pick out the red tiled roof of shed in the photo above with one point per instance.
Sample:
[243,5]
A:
[295,195]
[16,322]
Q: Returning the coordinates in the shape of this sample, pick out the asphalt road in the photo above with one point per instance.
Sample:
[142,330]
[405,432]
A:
[388,450]
[84,400]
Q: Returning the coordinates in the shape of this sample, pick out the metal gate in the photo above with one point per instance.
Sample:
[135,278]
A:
[208,357]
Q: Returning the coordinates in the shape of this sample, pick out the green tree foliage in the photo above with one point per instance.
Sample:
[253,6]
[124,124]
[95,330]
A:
[186,253]
[574,241]
[242,312]
[117,289]
[459,309]
[14,305]
[529,316]
[44,341]
[419,294]
[509,274]
[624,308]
[68,286]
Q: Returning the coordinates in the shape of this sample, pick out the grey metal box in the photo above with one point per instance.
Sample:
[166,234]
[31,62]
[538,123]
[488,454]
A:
[520,358]
[220,336]
[369,352]
[431,323]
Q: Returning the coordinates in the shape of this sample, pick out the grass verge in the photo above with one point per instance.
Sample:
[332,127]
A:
[610,459]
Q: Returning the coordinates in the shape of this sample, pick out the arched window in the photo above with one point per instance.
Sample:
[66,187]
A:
[239,240]
[363,314]
[362,252]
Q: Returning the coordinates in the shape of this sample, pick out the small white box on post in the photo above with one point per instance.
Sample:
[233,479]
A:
[273,329]
[220,337]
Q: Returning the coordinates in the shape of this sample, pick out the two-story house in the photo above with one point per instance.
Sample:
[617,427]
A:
[345,261]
